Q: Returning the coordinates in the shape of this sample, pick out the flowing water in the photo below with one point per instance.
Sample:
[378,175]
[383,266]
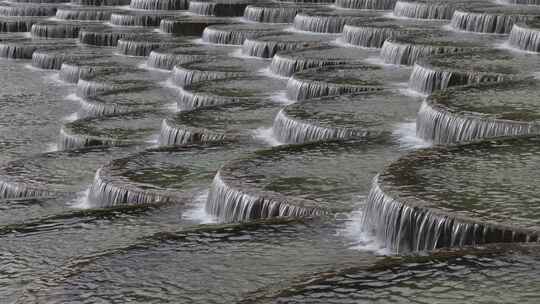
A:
[243,151]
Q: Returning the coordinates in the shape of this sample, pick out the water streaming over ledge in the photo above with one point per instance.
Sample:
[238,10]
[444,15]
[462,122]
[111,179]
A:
[117,115]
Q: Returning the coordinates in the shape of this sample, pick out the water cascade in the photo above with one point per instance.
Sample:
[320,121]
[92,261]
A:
[15,9]
[427,9]
[526,36]
[55,30]
[53,59]
[159,4]
[287,63]
[341,117]
[272,13]
[476,112]
[17,24]
[86,14]
[337,80]
[101,2]
[139,18]
[327,22]
[410,217]
[406,51]
[446,70]
[366,4]
[143,45]
[105,37]
[230,204]
[173,134]
[498,20]
[236,34]
[268,46]
[187,74]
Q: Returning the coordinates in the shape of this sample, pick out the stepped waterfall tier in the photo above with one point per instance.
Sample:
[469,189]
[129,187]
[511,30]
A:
[341,79]
[269,45]
[406,50]
[269,151]
[287,63]
[236,33]
[479,111]
[343,117]
[432,9]
[526,36]
[497,20]
[327,22]
[446,70]
[374,32]
[189,73]
[275,182]
[414,203]
[136,179]
[274,13]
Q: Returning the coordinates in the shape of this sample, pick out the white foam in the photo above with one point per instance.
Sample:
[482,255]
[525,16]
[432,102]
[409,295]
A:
[198,211]
[405,134]
[359,238]
[82,201]
[266,72]
[51,147]
[144,66]
[505,45]
[71,117]
[281,98]
[266,135]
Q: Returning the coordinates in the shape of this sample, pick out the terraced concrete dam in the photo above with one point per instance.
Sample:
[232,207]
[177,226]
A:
[269,151]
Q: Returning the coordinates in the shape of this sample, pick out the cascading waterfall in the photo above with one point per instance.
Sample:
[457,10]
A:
[367,36]
[271,14]
[366,4]
[84,14]
[303,89]
[427,80]
[286,66]
[233,205]
[101,2]
[166,60]
[55,30]
[17,24]
[159,4]
[233,34]
[424,10]
[185,77]
[27,10]
[139,19]
[321,23]
[190,101]
[525,38]
[172,134]
[289,130]
[484,22]
[407,227]
[105,192]
[394,52]
[103,38]
[441,126]
[267,48]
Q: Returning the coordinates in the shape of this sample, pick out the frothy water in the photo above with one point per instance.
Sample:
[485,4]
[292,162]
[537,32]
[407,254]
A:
[405,134]
[197,211]
[266,135]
